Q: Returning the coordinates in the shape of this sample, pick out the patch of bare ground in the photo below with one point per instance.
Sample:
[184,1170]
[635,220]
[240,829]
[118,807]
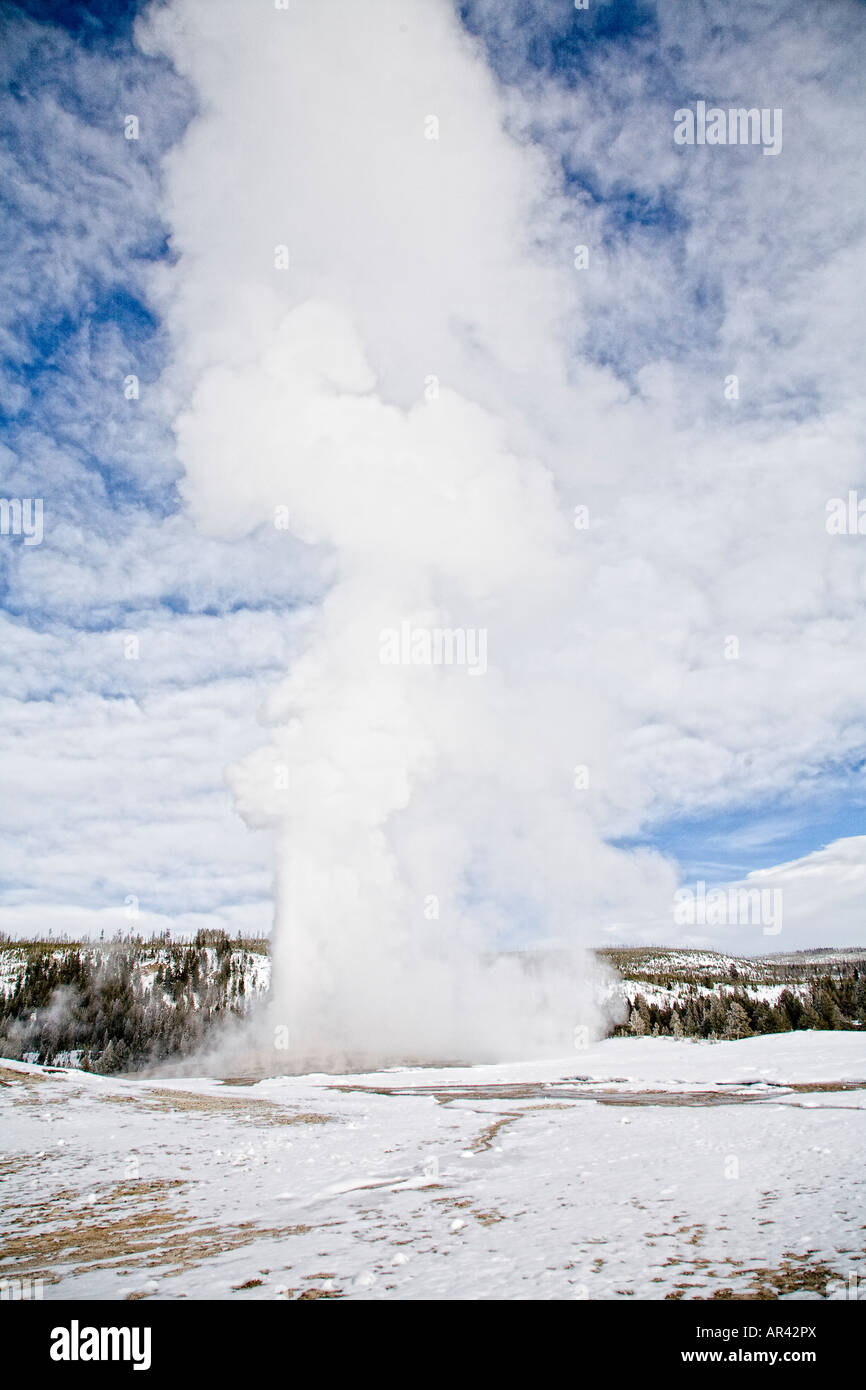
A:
[485,1139]
[797,1273]
[261,1110]
[124,1229]
[14,1165]
[697,1231]
[8,1077]
[28,1087]
[64,1203]
[673,1098]
[807,1087]
[445,1094]
[603,1093]
[488,1218]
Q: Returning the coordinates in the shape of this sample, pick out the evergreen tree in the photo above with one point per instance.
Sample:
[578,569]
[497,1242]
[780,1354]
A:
[737,1025]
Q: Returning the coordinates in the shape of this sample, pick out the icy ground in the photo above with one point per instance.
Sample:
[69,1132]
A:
[638,1168]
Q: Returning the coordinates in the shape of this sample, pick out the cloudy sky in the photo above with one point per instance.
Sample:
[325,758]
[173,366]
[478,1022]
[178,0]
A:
[337,278]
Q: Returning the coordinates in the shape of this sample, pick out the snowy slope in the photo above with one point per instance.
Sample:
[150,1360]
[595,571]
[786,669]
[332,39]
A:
[671,1169]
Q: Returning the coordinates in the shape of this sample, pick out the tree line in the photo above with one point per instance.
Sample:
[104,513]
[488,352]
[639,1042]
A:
[129,1004]
[102,1010]
[829,1001]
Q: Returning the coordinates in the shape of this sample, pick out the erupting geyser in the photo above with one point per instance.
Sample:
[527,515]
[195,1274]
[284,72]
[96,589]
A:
[425,818]
[359,349]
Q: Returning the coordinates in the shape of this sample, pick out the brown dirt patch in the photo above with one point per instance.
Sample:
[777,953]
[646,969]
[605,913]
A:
[124,1229]
[190,1102]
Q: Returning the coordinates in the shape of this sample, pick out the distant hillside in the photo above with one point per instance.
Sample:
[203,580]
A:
[125,1004]
[706,994]
[662,962]
[131,1003]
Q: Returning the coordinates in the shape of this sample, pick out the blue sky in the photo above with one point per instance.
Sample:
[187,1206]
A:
[742,264]
[80,216]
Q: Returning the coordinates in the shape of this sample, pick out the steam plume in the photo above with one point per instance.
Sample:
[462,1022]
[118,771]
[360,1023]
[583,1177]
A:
[425,816]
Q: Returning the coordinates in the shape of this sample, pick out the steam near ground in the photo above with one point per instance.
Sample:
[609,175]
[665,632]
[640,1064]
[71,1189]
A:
[420,1010]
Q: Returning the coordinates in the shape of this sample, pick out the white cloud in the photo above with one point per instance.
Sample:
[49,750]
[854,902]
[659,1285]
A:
[817,900]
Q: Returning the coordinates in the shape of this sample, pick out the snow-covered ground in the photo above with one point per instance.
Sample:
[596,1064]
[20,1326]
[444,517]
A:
[637,1168]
